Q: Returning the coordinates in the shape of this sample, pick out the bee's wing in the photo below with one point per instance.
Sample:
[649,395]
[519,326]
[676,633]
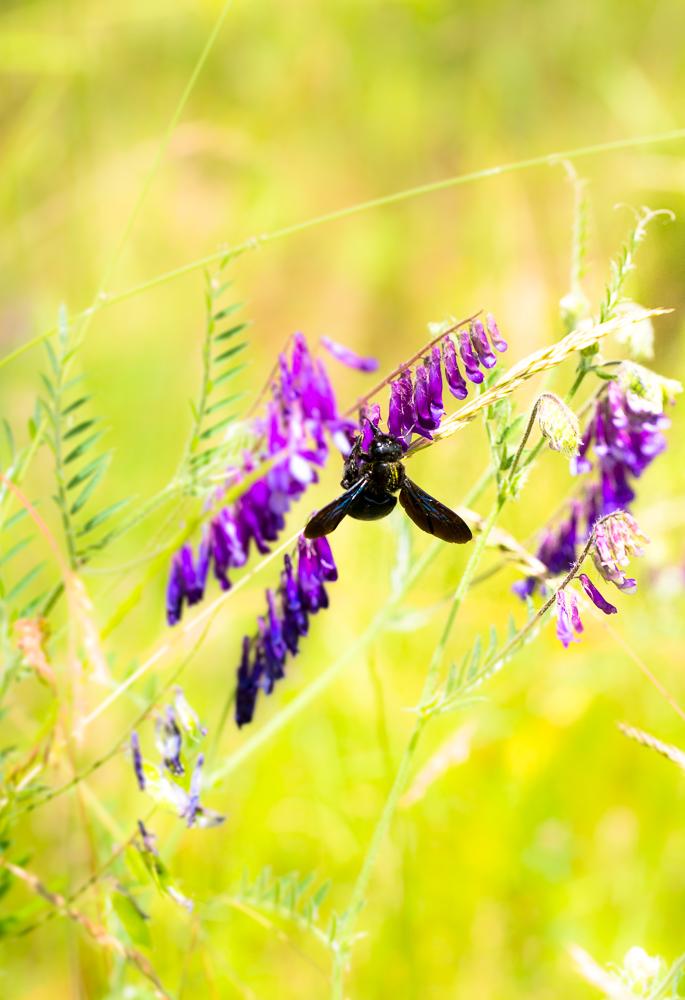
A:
[330,516]
[432,516]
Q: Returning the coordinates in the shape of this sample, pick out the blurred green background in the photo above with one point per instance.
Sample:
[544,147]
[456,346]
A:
[556,830]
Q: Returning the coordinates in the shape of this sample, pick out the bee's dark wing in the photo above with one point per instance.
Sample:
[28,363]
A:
[330,516]
[432,516]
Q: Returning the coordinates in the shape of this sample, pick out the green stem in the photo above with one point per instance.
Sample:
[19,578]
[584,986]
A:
[429,688]
[105,300]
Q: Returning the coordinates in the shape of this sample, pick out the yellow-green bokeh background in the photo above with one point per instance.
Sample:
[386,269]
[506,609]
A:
[556,830]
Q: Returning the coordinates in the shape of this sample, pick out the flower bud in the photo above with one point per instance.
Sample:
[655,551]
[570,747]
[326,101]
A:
[558,424]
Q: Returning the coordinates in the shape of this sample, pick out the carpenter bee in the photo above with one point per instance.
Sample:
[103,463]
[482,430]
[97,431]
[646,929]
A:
[371,480]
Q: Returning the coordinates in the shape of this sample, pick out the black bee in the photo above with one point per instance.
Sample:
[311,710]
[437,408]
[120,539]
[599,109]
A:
[371,479]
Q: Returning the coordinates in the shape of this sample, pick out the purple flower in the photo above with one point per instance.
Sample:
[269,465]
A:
[301,593]
[435,385]
[300,418]
[473,372]
[371,418]
[626,438]
[137,761]
[481,345]
[401,414]
[597,599]
[569,625]
[616,539]
[187,580]
[497,342]
[425,419]
[455,381]
[416,402]
[247,687]
[557,550]
[348,357]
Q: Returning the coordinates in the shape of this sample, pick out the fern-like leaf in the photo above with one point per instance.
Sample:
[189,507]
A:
[74,435]
[224,342]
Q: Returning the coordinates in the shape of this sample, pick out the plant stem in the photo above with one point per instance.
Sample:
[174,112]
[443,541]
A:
[407,759]
[104,300]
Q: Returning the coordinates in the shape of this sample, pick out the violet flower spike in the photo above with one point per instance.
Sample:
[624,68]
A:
[348,357]
[301,592]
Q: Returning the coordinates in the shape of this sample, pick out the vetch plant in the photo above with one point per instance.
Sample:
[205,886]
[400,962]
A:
[237,504]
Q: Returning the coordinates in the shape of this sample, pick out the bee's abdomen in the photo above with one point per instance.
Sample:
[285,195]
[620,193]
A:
[389,475]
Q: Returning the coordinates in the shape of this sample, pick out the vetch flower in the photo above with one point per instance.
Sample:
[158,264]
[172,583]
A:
[186,580]
[416,399]
[300,418]
[626,438]
[616,539]
[301,593]
[473,372]
[597,599]
[497,342]
[569,625]
[481,345]
[348,357]
[455,380]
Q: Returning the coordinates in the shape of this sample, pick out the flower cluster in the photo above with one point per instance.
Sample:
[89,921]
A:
[180,793]
[615,537]
[300,417]
[301,593]
[416,405]
[623,437]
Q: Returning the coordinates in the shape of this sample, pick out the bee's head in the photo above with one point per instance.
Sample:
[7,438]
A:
[385,448]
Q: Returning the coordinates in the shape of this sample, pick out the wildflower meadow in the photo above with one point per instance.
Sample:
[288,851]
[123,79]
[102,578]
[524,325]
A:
[342,574]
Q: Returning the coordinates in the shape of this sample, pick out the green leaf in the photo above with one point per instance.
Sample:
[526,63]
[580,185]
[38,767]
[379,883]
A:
[83,447]
[103,516]
[231,352]
[229,310]
[216,427]
[230,332]
[75,405]
[83,496]
[226,375]
[88,470]
[24,582]
[79,428]
[13,550]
